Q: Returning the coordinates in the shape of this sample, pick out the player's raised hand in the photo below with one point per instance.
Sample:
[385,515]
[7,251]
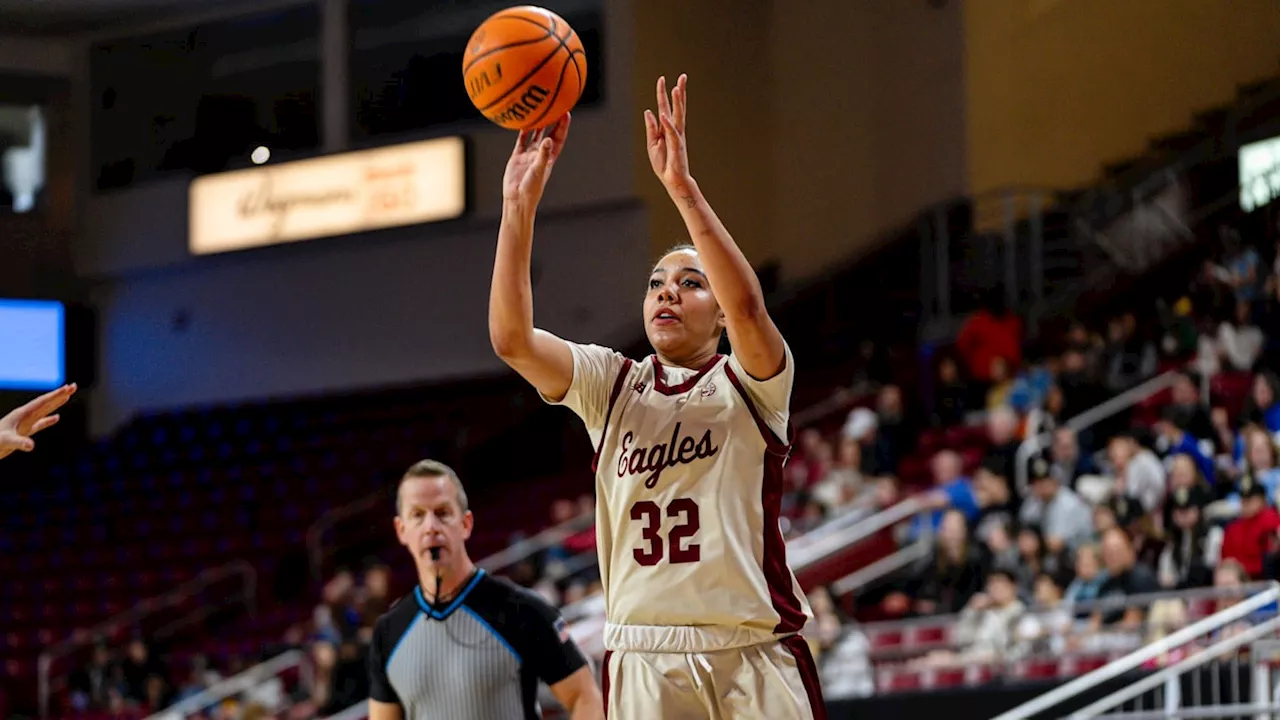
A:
[17,427]
[665,137]
[534,156]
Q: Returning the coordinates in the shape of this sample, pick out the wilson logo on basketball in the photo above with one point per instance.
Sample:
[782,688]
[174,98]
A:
[522,107]
[653,460]
[484,80]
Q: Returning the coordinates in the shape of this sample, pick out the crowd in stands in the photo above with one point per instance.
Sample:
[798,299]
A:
[1179,491]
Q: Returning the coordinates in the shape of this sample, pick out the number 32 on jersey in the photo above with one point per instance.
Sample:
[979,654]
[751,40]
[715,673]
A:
[675,548]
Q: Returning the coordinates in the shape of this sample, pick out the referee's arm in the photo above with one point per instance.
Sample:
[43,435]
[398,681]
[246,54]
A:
[384,704]
[558,662]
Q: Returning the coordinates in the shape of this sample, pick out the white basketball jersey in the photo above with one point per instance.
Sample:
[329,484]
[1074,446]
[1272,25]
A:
[688,491]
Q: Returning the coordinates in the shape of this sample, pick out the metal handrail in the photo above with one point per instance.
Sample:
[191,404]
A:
[1087,419]
[828,543]
[531,546]
[237,684]
[1154,680]
[1136,658]
[812,552]
[316,550]
[141,610]
[1136,600]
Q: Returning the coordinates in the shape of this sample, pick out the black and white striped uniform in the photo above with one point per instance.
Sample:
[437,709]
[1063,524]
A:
[479,658]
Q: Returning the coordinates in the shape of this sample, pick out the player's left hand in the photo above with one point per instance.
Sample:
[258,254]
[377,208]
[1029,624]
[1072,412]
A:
[664,135]
[17,427]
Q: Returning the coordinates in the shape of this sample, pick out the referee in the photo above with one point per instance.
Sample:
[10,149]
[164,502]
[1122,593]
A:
[464,645]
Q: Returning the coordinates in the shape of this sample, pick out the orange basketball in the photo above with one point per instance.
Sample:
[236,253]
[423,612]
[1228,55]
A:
[524,68]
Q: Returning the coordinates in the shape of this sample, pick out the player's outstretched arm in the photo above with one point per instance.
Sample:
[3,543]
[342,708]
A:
[755,339]
[17,427]
[540,357]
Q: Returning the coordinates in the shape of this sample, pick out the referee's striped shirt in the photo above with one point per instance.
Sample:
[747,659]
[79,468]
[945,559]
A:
[479,658]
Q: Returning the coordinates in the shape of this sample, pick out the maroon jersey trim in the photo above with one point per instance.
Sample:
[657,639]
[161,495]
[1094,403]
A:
[660,378]
[776,573]
[613,400]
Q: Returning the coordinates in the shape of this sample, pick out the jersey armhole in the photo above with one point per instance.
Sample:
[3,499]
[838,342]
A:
[623,373]
[774,444]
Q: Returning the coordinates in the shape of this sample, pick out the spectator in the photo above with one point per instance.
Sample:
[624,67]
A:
[1240,341]
[1080,387]
[1001,388]
[1137,473]
[1089,579]
[1130,357]
[955,572]
[1068,463]
[1064,518]
[987,626]
[991,332]
[950,396]
[1251,538]
[951,490]
[1241,265]
[1043,632]
[1186,409]
[1125,578]
[1194,547]
[1034,557]
[89,684]
[138,665]
[1002,431]
[1260,461]
[1261,407]
[895,431]
[844,482]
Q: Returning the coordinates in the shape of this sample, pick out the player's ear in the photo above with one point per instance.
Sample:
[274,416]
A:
[400,531]
[468,521]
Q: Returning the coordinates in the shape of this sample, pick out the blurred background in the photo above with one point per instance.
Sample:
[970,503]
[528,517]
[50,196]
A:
[1025,253]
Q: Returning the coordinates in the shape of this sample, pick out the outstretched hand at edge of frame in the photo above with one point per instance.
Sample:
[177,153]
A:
[18,426]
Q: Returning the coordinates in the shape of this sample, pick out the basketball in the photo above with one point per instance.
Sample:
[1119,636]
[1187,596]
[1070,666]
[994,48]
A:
[524,68]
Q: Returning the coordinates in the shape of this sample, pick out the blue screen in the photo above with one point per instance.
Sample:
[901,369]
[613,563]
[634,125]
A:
[32,344]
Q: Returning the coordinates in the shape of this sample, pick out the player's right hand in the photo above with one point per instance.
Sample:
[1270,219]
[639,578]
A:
[531,162]
[17,427]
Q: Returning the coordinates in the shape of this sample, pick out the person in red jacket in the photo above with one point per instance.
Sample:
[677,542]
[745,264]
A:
[1250,538]
[991,332]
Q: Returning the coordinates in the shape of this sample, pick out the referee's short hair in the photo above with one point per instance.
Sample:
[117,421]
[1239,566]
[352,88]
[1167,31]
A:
[433,469]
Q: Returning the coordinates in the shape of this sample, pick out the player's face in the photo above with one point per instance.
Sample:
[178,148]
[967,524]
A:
[681,316]
[431,517]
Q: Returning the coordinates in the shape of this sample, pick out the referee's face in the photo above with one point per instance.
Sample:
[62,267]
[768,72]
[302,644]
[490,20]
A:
[430,517]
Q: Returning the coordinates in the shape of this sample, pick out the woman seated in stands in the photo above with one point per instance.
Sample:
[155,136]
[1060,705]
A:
[1262,407]
[1194,546]
[952,576]
[986,630]
[1090,576]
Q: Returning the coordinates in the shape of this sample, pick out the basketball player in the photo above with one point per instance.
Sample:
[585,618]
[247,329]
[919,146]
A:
[464,645]
[18,426]
[702,611]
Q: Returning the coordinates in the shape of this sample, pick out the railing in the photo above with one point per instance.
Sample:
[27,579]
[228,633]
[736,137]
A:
[247,596]
[1003,245]
[1136,659]
[247,680]
[1087,419]
[805,551]
[318,550]
[531,546]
